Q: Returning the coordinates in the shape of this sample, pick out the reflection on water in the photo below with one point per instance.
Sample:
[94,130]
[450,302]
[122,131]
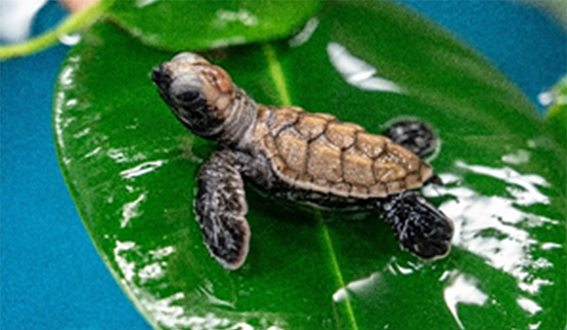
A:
[306,33]
[151,272]
[519,157]
[144,267]
[126,266]
[143,3]
[395,268]
[131,210]
[60,105]
[484,225]
[162,252]
[528,195]
[357,72]
[171,313]
[92,152]
[491,227]
[550,246]
[142,169]
[488,226]
[167,314]
[66,77]
[462,289]
[243,16]
[357,287]
[121,155]
[128,257]
[528,305]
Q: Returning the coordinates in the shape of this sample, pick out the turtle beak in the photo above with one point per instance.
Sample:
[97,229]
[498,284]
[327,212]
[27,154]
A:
[175,81]
[161,78]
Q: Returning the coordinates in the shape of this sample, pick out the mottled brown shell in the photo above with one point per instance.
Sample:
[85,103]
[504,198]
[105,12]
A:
[316,152]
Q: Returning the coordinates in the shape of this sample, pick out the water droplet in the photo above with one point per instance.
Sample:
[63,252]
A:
[70,39]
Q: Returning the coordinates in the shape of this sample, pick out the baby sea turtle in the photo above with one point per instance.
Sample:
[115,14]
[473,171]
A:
[298,156]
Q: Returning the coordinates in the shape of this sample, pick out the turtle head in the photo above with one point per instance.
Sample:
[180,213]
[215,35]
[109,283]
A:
[201,95]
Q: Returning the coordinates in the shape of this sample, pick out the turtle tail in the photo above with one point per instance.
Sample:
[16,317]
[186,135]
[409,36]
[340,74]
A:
[419,227]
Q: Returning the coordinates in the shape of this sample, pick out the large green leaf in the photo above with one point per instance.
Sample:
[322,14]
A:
[130,167]
[205,24]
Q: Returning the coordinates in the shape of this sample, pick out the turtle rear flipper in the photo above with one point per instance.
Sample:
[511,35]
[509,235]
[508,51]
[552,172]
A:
[413,135]
[419,227]
[220,207]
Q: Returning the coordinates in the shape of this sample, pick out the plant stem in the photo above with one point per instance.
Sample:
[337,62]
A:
[73,23]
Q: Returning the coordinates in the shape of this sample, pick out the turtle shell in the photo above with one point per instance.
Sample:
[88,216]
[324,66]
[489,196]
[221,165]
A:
[315,151]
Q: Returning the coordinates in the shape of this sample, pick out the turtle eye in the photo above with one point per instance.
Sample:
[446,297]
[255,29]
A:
[189,96]
[220,79]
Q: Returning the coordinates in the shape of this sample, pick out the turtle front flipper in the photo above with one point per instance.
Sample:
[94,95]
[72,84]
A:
[419,226]
[220,207]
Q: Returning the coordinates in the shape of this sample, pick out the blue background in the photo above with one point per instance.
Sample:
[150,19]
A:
[51,275]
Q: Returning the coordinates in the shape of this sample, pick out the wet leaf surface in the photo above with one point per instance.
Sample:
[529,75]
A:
[197,25]
[130,167]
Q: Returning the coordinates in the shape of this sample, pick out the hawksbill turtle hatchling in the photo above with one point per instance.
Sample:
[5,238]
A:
[298,156]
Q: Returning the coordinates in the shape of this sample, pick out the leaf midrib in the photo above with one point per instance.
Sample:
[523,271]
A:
[278,78]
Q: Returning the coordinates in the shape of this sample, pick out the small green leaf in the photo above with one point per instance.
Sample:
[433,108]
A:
[198,25]
[130,167]
[556,118]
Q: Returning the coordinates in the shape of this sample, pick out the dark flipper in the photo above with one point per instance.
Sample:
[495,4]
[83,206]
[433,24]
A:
[413,135]
[419,226]
[220,207]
